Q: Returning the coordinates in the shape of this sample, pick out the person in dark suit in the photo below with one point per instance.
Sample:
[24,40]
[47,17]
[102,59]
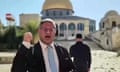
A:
[38,58]
[81,55]
[20,60]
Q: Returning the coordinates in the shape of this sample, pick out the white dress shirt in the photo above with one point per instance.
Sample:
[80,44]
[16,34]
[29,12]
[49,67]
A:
[27,44]
[45,55]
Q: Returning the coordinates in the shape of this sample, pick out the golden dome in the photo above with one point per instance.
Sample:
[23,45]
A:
[52,4]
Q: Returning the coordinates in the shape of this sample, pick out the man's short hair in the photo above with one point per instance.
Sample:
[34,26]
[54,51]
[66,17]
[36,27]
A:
[48,20]
[79,35]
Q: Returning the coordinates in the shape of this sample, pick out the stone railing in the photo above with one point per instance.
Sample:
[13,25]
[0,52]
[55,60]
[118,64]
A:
[6,58]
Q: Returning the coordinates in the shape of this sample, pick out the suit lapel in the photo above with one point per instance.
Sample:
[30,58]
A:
[39,54]
[58,51]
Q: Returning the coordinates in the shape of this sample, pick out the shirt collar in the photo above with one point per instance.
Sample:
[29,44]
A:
[43,45]
[27,44]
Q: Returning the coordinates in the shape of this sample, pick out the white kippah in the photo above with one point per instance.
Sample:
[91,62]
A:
[49,20]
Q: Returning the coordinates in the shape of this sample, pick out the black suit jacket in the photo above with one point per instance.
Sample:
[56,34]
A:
[82,56]
[20,60]
[35,61]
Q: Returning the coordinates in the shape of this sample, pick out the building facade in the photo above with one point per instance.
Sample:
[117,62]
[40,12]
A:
[26,18]
[67,24]
[109,35]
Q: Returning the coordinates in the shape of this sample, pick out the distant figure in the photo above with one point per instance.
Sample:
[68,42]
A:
[81,55]
[20,61]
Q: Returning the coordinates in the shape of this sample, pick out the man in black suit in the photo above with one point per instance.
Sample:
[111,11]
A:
[81,55]
[20,61]
[38,56]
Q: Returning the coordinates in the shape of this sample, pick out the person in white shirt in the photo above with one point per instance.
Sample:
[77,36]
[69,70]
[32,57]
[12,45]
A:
[20,60]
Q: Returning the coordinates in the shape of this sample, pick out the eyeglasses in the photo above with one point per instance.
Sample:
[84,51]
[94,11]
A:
[50,29]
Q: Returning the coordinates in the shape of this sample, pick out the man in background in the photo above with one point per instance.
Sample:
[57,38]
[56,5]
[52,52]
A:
[81,55]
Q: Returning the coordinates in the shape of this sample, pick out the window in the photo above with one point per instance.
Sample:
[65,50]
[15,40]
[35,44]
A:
[113,24]
[91,27]
[71,26]
[63,27]
[80,26]
[61,34]
[60,13]
[102,33]
[103,25]
[54,13]
[47,13]
[107,42]
[73,34]
[67,13]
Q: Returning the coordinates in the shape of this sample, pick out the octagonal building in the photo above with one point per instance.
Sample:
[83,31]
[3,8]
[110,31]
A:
[68,25]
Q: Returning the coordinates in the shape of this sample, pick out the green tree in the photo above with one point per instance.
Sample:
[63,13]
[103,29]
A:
[1,32]
[19,34]
[10,37]
[2,42]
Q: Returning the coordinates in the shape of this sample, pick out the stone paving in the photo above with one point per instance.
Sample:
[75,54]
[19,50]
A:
[105,61]
[5,67]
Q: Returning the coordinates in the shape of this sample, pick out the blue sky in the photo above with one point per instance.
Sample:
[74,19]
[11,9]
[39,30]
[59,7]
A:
[94,9]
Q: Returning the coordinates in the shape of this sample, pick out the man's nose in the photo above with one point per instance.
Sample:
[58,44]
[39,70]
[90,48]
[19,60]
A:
[47,31]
